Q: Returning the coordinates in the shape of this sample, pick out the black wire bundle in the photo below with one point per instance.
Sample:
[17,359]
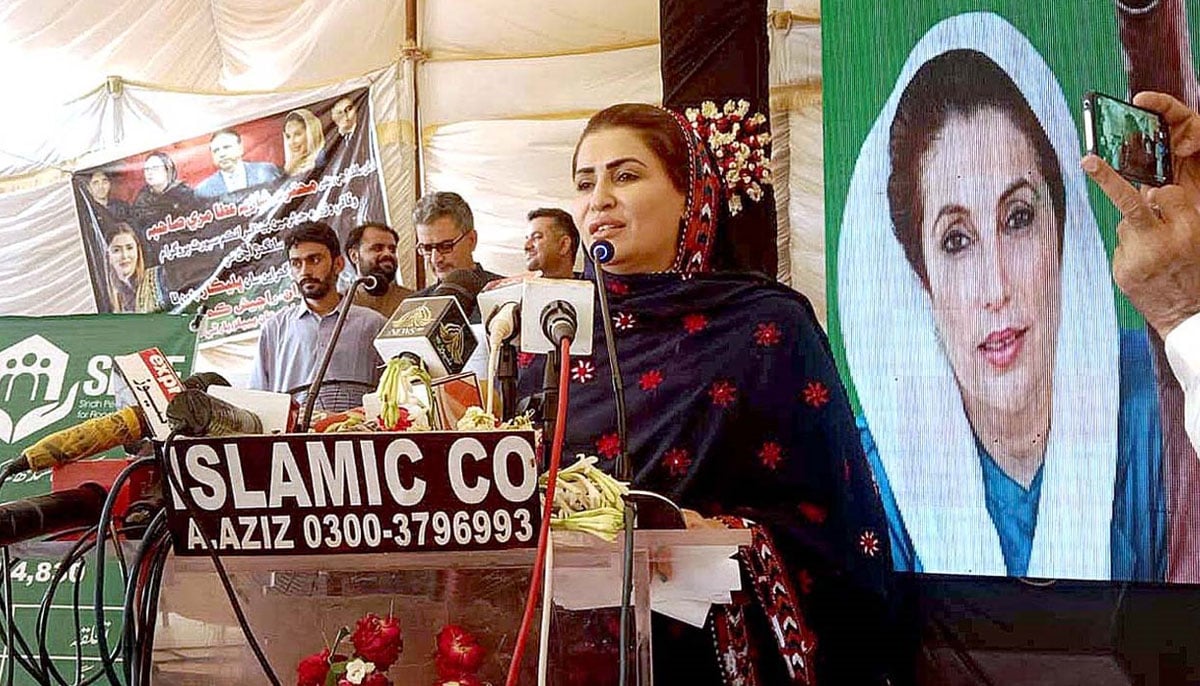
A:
[129,661]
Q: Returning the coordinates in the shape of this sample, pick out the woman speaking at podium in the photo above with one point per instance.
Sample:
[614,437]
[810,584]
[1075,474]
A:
[734,406]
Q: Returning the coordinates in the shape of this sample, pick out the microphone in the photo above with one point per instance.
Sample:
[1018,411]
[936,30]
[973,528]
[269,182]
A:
[371,281]
[194,325]
[196,413]
[39,516]
[123,427]
[559,322]
[375,283]
[435,328]
[602,251]
[464,286]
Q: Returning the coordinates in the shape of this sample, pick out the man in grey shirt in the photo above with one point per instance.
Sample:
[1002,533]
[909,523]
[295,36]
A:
[294,340]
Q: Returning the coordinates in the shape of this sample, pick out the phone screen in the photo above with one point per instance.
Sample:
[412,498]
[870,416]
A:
[1134,141]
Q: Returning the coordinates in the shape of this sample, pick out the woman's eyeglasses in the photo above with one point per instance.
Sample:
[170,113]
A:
[427,249]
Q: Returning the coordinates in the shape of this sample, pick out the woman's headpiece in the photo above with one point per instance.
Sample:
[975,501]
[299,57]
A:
[728,158]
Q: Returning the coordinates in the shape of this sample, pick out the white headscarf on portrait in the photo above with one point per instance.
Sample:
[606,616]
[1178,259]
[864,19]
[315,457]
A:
[904,380]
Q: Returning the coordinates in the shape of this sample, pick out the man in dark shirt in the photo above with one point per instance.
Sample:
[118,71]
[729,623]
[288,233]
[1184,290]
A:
[446,237]
[551,244]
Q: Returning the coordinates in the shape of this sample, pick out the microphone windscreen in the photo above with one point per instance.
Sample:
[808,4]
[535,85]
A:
[377,284]
[602,251]
[201,381]
[463,285]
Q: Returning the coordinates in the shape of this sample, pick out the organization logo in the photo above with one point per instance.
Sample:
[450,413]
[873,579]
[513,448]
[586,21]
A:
[32,374]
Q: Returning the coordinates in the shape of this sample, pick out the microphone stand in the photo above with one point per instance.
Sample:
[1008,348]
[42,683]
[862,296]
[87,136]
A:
[599,253]
[373,282]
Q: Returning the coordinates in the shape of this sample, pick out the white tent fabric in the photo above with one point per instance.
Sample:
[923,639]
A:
[500,91]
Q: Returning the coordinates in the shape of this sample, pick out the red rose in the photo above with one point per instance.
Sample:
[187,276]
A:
[313,669]
[458,652]
[378,640]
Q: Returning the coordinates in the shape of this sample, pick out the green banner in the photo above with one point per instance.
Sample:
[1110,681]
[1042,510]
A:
[56,372]
[1005,390]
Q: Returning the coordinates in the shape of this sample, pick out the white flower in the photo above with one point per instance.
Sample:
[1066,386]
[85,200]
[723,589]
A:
[357,670]
[708,108]
[691,113]
[735,205]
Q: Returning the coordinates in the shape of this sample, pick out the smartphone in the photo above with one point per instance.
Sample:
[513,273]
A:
[1133,140]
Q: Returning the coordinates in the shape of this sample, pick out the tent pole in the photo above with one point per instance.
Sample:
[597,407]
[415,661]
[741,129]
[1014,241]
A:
[413,56]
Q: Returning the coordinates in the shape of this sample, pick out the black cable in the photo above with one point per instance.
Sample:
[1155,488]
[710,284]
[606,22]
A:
[25,653]
[12,635]
[150,609]
[216,560]
[41,627]
[102,527]
[10,665]
[129,623]
[623,469]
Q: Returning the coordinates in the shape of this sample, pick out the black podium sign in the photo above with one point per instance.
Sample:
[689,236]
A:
[353,493]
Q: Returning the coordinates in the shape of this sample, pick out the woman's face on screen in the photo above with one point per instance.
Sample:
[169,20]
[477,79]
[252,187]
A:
[990,245]
[294,138]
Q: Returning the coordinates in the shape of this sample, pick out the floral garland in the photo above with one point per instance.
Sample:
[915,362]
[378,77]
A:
[378,643]
[739,144]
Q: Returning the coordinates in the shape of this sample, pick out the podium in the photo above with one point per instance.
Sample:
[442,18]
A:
[295,603]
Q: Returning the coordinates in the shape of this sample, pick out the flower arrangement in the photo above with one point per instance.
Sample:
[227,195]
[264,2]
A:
[739,143]
[377,643]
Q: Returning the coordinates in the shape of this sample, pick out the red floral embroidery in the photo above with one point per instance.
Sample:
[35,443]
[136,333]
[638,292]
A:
[869,543]
[677,461]
[813,512]
[616,287]
[694,323]
[815,394]
[524,360]
[767,334]
[650,380]
[722,393]
[624,321]
[770,454]
[608,446]
[583,371]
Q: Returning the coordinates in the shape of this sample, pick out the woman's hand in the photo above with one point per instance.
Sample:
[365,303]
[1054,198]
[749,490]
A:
[693,520]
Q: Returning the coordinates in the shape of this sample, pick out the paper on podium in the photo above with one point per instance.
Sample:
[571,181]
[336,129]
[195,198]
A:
[700,576]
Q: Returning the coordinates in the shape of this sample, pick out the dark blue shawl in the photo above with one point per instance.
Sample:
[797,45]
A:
[735,407]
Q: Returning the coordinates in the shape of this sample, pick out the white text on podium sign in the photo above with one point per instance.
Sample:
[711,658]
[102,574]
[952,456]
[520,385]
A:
[354,493]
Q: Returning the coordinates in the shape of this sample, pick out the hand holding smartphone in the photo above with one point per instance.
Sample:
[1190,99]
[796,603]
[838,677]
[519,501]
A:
[1134,141]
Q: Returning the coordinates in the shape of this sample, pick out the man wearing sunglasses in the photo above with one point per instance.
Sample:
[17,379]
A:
[446,238]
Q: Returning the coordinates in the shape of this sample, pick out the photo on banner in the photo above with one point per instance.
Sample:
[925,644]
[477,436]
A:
[202,222]
[1005,392]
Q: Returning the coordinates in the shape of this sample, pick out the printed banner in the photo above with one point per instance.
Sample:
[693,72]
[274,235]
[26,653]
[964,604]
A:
[424,491]
[56,372]
[1006,394]
[202,222]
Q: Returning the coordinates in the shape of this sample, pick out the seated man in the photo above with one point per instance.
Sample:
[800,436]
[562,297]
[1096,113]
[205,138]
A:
[551,244]
[446,238]
[294,340]
[371,248]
